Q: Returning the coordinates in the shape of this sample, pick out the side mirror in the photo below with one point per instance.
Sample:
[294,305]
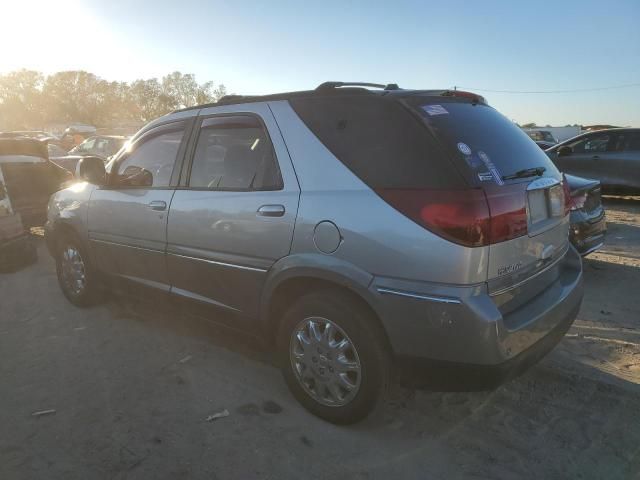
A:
[564,151]
[91,169]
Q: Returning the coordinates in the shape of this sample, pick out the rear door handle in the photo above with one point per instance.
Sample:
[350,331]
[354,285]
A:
[271,211]
[596,157]
[158,205]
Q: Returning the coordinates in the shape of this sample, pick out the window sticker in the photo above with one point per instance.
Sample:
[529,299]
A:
[485,176]
[464,148]
[491,167]
[435,110]
[474,162]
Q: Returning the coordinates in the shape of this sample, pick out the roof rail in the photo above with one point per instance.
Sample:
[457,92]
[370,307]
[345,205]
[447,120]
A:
[331,85]
[233,97]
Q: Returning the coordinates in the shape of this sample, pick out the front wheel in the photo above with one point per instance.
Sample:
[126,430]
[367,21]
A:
[334,357]
[76,277]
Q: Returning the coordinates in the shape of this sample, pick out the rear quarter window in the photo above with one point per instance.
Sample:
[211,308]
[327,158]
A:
[379,140]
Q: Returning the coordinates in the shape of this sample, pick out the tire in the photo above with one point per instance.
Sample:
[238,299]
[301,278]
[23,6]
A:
[84,293]
[321,374]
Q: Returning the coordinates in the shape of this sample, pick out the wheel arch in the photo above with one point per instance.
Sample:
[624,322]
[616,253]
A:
[58,230]
[291,278]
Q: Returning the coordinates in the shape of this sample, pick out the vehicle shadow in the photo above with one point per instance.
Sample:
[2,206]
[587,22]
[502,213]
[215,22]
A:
[167,314]
[567,417]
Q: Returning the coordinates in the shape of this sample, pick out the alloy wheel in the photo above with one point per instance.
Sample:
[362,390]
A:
[325,361]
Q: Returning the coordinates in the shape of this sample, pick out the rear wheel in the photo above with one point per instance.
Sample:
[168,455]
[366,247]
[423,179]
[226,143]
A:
[334,358]
[76,276]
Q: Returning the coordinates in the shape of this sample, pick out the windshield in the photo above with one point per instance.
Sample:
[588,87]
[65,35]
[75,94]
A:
[484,143]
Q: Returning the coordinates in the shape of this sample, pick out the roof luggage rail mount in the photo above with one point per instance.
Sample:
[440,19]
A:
[331,85]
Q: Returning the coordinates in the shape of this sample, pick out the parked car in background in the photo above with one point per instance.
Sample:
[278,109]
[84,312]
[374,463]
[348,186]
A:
[541,135]
[15,244]
[56,151]
[37,134]
[29,178]
[611,156]
[544,145]
[588,223]
[350,227]
[103,146]
[75,134]
[559,134]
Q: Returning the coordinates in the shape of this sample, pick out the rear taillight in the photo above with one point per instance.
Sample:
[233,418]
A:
[507,205]
[467,217]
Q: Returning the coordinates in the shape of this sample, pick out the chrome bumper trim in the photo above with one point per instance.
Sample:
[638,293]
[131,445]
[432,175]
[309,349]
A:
[418,296]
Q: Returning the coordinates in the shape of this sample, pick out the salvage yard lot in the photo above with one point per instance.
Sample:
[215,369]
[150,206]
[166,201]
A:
[132,384]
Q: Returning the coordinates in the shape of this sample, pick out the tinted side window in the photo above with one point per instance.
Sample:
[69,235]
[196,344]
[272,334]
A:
[628,142]
[592,144]
[234,153]
[151,162]
[379,140]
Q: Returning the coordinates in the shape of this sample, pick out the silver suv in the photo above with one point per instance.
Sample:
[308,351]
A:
[356,229]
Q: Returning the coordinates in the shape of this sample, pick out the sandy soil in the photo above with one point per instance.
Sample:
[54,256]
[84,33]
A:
[132,384]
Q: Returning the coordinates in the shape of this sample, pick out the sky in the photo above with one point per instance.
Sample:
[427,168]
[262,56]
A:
[257,47]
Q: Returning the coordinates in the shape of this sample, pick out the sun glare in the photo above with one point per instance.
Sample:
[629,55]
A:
[53,35]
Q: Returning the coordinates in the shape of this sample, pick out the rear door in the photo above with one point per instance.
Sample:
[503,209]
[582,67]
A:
[624,162]
[127,219]
[589,157]
[234,214]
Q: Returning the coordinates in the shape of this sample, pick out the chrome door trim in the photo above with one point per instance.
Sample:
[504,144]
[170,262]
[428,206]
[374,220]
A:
[429,298]
[200,298]
[91,239]
[222,264]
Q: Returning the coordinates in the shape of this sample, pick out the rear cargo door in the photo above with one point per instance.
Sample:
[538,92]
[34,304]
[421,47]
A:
[529,227]
[514,261]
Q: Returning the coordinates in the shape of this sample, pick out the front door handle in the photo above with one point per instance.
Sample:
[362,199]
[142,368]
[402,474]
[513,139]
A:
[596,157]
[271,211]
[158,205]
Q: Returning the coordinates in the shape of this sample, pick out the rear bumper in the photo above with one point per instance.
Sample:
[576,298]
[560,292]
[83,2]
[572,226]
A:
[587,233]
[454,376]
[456,330]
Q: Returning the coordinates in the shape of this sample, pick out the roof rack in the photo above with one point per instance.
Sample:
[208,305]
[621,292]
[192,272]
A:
[231,98]
[331,85]
[323,88]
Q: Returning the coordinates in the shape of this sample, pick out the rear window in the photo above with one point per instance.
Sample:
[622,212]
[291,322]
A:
[379,140]
[484,143]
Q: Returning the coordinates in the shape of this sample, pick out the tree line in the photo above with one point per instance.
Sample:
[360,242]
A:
[31,100]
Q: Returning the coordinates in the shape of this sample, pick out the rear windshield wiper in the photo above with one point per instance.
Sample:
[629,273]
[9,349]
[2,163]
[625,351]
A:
[527,172]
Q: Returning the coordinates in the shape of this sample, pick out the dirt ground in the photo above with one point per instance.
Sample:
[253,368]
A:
[132,384]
